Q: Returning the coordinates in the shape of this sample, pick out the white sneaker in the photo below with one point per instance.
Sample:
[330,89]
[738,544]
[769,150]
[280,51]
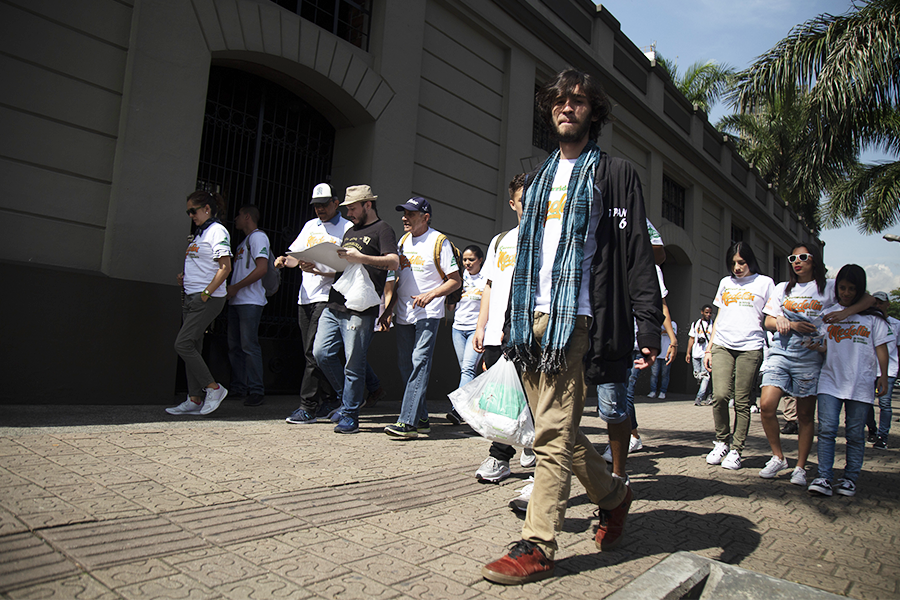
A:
[635,444]
[798,477]
[607,454]
[662,396]
[845,487]
[731,403]
[214,398]
[626,480]
[754,409]
[720,449]
[774,467]
[527,458]
[651,395]
[732,460]
[520,503]
[492,470]
[188,407]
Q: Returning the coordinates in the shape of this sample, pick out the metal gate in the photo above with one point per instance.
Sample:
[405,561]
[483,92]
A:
[263,145]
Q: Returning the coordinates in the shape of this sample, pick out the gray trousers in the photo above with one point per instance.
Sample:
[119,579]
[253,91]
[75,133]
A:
[733,374]
[196,315]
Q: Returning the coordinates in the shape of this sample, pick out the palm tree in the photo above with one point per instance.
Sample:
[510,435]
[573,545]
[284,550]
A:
[702,83]
[769,138]
[848,68]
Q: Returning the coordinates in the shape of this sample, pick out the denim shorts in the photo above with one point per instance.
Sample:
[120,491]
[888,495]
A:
[797,378]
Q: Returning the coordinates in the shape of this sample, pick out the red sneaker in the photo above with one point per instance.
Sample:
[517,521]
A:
[612,523]
[525,563]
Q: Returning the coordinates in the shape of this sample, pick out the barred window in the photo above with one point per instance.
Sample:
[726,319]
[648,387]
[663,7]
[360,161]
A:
[737,234]
[777,267]
[348,19]
[542,135]
[673,201]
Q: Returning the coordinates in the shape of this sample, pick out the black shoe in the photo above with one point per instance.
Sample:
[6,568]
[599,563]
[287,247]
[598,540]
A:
[880,442]
[790,427]
[323,413]
[254,400]
[873,436]
[454,417]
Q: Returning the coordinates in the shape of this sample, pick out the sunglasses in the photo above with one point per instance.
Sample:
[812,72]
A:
[795,257]
[192,211]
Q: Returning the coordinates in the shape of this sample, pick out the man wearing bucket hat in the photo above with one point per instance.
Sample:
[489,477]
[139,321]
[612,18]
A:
[342,340]
[428,272]
[328,226]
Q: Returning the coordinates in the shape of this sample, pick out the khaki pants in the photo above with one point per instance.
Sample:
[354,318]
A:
[557,402]
[733,375]
[790,409]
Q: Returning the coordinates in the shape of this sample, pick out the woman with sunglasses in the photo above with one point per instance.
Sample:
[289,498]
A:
[794,313]
[735,350]
[207,264]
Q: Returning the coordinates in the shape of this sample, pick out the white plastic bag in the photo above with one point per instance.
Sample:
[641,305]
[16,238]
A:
[357,288]
[494,405]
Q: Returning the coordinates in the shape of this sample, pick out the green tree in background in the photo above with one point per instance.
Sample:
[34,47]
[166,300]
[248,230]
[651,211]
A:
[702,83]
[847,69]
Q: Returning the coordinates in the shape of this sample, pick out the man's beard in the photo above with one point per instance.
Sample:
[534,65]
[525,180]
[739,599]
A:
[574,135]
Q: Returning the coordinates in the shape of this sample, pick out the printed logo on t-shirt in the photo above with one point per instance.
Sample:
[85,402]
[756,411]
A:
[193,250]
[858,333]
[743,298]
[802,304]
[412,260]
[264,251]
[472,294]
[505,260]
[555,207]
[240,252]
[315,239]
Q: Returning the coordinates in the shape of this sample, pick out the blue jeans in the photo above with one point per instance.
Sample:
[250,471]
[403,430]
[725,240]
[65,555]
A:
[615,401]
[465,354]
[885,412]
[244,352]
[415,348]
[372,381]
[854,431]
[702,377]
[659,373]
[342,341]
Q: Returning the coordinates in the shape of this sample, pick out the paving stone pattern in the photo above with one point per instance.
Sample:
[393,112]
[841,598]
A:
[243,505]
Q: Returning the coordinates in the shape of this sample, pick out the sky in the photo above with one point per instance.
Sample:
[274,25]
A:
[736,33]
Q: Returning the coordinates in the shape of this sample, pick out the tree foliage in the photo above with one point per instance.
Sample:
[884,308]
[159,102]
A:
[702,83]
[847,68]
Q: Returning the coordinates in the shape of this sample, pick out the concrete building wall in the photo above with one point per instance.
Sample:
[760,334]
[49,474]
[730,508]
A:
[100,132]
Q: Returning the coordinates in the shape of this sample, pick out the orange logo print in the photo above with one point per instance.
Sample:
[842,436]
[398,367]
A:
[505,259]
[404,262]
[317,239]
[839,333]
[193,249]
[555,209]
[802,304]
[729,297]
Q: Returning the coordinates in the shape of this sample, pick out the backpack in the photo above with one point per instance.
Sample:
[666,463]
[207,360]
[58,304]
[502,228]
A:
[500,237]
[455,296]
[271,281]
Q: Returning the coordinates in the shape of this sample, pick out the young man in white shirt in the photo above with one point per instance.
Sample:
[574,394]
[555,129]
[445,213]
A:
[247,297]
[883,303]
[418,302]
[316,395]
[698,340]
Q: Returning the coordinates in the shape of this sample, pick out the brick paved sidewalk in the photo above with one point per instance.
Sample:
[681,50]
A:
[129,502]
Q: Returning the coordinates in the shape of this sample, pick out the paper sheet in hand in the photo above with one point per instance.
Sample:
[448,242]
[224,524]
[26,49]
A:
[323,254]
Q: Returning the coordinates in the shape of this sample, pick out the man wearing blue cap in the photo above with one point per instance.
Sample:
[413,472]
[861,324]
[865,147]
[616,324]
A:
[428,272]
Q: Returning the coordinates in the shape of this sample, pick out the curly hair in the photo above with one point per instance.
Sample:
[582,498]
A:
[564,84]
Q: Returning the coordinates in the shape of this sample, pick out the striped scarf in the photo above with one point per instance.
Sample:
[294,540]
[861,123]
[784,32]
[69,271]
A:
[566,279]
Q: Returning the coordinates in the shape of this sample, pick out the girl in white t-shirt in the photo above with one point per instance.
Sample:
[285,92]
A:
[795,314]
[466,316]
[207,264]
[735,350]
[855,371]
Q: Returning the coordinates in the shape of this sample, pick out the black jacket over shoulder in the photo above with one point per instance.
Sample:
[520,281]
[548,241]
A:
[624,286]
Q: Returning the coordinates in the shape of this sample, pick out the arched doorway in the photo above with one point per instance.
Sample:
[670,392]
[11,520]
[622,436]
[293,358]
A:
[264,145]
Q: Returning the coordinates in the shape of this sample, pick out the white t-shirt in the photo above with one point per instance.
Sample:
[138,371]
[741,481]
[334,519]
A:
[804,303]
[418,274]
[466,317]
[851,366]
[893,364]
[553,232]
[315,288]
[663,292]
[741,302]
[498,267]
[245,263]
[664,339]
[201,259]
[700,331]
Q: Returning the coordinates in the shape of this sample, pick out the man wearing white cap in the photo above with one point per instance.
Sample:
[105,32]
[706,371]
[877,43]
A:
[328,226]
[342,340]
